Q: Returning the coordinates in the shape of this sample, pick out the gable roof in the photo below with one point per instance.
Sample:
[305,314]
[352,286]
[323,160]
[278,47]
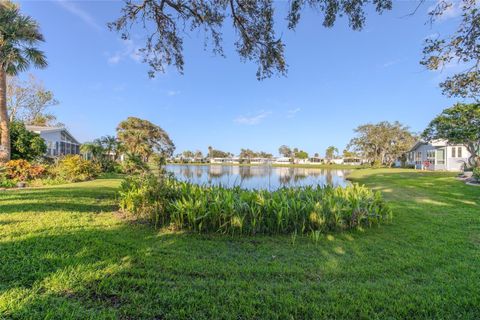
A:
[40,129]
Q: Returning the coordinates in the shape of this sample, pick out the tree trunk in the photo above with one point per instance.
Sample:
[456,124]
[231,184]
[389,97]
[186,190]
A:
[474,159]
[4,130]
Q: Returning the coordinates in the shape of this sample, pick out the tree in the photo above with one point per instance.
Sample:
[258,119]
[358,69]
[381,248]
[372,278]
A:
[382,143]
[247,154]
[28,101]
[459,48]
[26,144]
[330,152]
[218,154]
[188,154]
[285,151]
[143,138]
[349,154]
[110,145]
[459,124]
[301,154]
[93,149]
[19,36]
[252,20]
[210,149]
[263,154]
[198,154]
[316,155]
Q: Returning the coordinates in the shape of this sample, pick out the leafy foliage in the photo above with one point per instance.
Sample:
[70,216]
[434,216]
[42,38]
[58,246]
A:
[459,124]
[22,170]
[382,143]
[331,152]
[166,21]
[459,48]
[285,151]
[19,36]
[26,144]
[182,205]
[74,168]
[476,174]
[143,138]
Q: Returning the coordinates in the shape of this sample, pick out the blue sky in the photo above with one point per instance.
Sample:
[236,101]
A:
[337,80]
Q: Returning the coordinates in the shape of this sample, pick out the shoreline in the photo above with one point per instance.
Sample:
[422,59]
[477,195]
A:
[276,165]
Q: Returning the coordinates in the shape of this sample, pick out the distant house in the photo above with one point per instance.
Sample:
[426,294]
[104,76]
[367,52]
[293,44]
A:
[59,141]
[282,160]
[438,155]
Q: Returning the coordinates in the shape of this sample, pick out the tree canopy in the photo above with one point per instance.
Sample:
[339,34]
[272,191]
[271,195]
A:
[26,144]
[19,37]
[143,138]
[285,151]
[28,101]
[165,23]
[382,143]
[331,152]
[459,48]
[459,124]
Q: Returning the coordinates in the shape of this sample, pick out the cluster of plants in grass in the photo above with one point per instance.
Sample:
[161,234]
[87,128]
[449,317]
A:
[71,168]
[167,202]
[476,174]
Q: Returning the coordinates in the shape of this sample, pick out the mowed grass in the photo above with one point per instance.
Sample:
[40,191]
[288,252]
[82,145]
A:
[65,254]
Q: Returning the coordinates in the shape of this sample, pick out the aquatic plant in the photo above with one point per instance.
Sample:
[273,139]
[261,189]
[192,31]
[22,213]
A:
[167,202]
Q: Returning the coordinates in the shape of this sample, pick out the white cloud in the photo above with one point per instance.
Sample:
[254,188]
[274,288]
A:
[130,50]
[253,120]
[292,112]
[79,12]
[172,93]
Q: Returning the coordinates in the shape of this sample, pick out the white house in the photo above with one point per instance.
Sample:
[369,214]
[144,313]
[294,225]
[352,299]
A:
[438,155]
[282,160]
[59,141]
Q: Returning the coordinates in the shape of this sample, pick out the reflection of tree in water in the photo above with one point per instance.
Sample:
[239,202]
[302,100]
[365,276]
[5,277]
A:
[285,175]
[186,172]
[216,172]
[300,174]
[329,177]
[198,171]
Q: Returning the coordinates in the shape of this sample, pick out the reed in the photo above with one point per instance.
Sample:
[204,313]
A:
[167,202]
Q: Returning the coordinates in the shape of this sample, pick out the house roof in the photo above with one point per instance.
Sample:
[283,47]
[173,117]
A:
[40,129]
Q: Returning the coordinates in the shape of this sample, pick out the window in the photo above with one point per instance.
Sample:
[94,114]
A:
[431,157]
[441,156]
[453,152]
[418,157]
[459,152]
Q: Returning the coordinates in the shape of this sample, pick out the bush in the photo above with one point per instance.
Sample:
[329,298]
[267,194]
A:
[476,174]
[133,164]
[22,170]
[182,205]
[74,168]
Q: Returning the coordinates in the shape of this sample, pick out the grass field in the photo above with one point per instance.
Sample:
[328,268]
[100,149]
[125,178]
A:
[65,254]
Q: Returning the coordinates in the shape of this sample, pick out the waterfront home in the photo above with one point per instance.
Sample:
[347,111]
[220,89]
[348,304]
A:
[229,160]
[282,160]
[58,140]
[438,155]
[260,160]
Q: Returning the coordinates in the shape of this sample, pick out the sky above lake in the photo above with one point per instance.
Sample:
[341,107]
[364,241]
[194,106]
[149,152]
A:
[337,79]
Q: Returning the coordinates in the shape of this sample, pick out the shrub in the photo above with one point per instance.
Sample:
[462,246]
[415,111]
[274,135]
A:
[73,168]
[476,174]
[182,205]
[22,170]
[133,164]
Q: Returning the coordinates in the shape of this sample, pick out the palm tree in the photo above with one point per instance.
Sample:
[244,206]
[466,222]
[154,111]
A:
[19,36]
[110,145]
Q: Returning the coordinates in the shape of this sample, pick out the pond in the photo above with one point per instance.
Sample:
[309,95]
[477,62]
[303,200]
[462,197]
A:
[258,177]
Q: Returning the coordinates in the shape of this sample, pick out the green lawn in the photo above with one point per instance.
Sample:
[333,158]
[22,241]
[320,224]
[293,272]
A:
[64,254]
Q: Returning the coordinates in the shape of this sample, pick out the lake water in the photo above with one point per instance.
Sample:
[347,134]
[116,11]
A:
[258,177]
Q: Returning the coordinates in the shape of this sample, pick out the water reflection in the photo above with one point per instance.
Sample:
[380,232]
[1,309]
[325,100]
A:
[258,177]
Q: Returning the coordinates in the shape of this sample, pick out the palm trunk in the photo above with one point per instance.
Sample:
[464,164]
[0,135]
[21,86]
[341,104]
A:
[4,130]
